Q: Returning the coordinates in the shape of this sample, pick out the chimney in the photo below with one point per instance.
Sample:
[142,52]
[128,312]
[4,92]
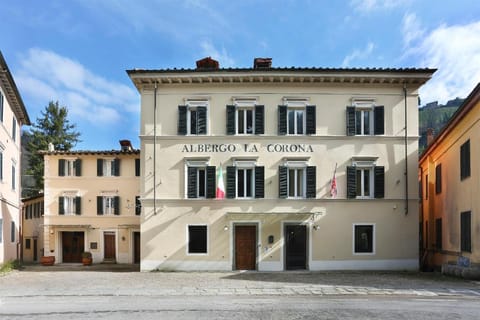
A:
[207,63]
[430,136]
[126,145]
[51,147]
[262,63]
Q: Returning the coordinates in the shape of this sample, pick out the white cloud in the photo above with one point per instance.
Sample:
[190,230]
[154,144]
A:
[45,75]
[412,29]
[358,54]
[221,55]
[455,51]
[367,6]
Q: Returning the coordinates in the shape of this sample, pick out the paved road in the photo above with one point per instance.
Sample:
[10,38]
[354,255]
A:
[41,293]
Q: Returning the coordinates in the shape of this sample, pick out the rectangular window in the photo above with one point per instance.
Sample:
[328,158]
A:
[192,119]
[69,205]
[426,187]
[245,180]
[108,167]
[364,239]
[197,239]
[465,160]
[14,177]
[438,179]
[138,206]
[14,129]
[365,180]
[364,118]
[438,233]
[296,183]
[465,232]
[108,205]
[137,167]
[27,244]
[245,117]
[69,167]
[297,180]
[201,180]
[245,183]
[296,121]
[12,231]
[296,118]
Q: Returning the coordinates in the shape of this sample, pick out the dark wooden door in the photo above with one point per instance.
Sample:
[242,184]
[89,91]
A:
[35,249]
[136,247]
[245,247]
[109,246]
[72,246]
[295,247]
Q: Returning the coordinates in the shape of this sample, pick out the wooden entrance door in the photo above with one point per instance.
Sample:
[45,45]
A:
[295,247]
[136,247]
[245,247]
[109,246]
[72,246]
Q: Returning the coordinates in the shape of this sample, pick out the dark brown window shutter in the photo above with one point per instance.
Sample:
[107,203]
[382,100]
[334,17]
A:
[311,182]
[61,167]
[99,205]
[182,120]
[78,206]
[61,205]
[438,178]
[78,167]
[230,120]
[350,121]
[282,182]
[311,120]
[211,183]
[259,182]
[231,182]
[116,167]
[116,205]
[202,120]
[138,206]
[192,182]
[379,119]
[259,119]
[137,167]
[379,183]
[351,182]
[99,167]
[282,120]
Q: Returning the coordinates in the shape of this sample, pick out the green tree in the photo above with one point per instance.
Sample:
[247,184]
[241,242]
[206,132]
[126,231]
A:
[51,127]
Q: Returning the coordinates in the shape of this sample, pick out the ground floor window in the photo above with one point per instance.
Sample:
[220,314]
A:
[363,238]
[197,239]
[465,232]
[27,244]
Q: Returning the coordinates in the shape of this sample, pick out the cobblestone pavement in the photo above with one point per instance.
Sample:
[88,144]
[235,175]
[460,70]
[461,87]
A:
[123,280]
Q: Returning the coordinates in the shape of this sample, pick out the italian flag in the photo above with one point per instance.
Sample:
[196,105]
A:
[220,185]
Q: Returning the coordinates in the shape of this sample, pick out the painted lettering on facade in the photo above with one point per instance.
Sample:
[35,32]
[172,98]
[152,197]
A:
[249,148]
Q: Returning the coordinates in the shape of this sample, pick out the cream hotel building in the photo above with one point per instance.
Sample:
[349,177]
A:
[274,139]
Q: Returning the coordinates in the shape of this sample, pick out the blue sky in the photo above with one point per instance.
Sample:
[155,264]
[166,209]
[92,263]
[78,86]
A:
[77,51]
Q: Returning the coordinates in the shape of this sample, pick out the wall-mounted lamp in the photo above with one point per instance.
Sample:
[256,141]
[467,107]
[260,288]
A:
[225,228]
[123,238]
[51,231]
[316,227]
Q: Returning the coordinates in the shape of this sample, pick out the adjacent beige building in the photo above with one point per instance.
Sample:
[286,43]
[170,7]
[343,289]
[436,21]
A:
[92,204]
[32,228]
[273,139]
[12,116]
[449,175]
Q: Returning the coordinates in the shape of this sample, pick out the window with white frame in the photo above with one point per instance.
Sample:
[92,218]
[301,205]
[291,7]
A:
[197,239]
[365,179]
[296,117]
[69,167]
[200,179]
[365,118]
[69,205]
[108,167]
[364,238]
[245,180]
[108,205]
[297,180]
[245,116]
[192,117]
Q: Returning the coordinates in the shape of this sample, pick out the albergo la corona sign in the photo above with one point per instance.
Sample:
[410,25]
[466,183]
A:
[232,148]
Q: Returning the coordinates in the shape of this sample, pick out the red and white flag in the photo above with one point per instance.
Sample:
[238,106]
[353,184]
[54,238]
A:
[220,185]
[333,184]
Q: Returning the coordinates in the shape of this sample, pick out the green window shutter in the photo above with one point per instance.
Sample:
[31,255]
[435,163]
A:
[116,167]
[182,120]
[192,182]
[259,182]
[282,182]
[379,120]
[282,120]
[311,120]
[202,120]
[78,206]
[311,182]
[99,205]
[61,205]
[379,183]
[138,206]
[231,182]
[61,167]
[259,119]
[99,167]
[230,119]
[351,182]
[116,205]
[137,167]
[350,121]
[438,179]
[78,167]
[211,183]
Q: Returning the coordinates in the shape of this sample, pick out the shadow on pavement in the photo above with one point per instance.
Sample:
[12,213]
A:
[69,267]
